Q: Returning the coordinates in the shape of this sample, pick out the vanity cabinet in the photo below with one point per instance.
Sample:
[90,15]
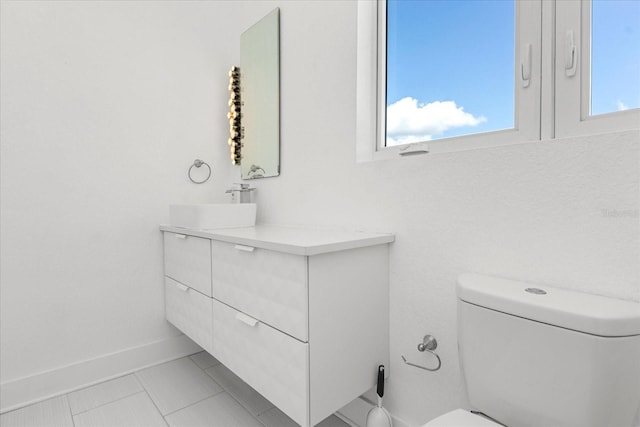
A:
[187,281]
[189,311]
[268,285]
[302,316]
[187,259]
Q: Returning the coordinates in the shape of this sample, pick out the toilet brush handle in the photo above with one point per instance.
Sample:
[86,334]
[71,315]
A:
[380,388]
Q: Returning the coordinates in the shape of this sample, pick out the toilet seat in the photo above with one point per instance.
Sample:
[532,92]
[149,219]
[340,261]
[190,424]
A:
[461,418]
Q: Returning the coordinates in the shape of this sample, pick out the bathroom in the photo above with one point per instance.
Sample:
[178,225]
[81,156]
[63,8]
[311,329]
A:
[105,105]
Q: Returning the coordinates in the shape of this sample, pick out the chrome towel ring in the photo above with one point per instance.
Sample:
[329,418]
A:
[197,163]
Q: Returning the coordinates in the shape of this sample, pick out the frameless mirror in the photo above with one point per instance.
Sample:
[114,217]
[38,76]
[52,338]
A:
[260,82]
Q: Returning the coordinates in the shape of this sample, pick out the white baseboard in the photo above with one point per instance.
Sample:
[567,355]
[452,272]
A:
[355,414]
[44,385]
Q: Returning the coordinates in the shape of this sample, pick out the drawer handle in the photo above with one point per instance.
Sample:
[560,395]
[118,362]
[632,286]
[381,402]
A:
[244,248]
[247,320]
[182,287]
[180,236]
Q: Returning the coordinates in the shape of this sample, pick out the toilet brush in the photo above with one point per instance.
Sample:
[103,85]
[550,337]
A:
[378,416]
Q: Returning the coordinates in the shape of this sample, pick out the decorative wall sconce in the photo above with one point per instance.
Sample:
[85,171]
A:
[235,115]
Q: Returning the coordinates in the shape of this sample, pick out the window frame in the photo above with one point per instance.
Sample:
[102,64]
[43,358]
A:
[554,106]
[573,93]
[372,58]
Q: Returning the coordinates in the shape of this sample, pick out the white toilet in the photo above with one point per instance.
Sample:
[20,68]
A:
[542,356]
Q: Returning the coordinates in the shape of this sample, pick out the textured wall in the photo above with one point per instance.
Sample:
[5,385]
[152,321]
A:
[104,108]
[532,212]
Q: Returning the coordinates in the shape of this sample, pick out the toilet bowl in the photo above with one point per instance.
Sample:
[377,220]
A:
[461,418]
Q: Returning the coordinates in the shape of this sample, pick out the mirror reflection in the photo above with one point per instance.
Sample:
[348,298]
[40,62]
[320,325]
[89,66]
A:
[260,81]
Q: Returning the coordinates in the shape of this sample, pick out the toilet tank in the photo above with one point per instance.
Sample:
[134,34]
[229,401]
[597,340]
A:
[535,355]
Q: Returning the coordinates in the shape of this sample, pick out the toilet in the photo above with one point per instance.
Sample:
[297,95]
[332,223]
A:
[542,356]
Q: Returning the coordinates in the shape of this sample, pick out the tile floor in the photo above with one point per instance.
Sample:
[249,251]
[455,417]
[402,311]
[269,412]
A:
[188,392]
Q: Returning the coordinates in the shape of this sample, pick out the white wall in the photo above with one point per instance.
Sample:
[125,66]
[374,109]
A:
[531,212]
[104,106]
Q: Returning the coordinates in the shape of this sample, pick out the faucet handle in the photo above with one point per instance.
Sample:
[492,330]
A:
[241,194]
[242,186]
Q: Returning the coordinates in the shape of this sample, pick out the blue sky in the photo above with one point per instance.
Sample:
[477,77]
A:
[615,53]
[450,65]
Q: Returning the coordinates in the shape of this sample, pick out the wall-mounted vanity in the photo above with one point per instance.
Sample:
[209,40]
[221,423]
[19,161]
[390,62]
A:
[300,315]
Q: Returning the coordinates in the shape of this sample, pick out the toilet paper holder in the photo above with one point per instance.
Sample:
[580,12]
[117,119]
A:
[428,344]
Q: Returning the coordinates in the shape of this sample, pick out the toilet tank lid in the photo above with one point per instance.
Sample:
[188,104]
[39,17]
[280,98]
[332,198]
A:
[588,313]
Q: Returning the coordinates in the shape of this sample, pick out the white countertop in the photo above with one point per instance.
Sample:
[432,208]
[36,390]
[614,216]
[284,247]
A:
[294,240]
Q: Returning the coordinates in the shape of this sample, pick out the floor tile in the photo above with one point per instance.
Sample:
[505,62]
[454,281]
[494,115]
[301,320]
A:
[276,418]
[221,410]
[204,360]
[241,391]
[135,410]
[103,393]
[177,384]
[50,413]
[332,421]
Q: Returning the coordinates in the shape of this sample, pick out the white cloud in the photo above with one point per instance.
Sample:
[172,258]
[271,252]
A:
[409,121]
[621,106]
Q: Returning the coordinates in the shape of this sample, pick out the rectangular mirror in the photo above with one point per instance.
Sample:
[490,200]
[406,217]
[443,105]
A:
[260,94]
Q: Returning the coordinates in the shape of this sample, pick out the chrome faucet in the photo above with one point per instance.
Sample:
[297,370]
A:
[241,194]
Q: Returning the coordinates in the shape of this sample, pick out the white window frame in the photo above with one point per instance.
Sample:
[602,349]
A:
[573,92]
[553,106]
[371,96]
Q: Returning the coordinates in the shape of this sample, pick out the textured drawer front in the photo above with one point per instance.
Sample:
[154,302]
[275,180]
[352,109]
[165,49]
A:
[271,362]
[187,259]
[189,311]
[270,286]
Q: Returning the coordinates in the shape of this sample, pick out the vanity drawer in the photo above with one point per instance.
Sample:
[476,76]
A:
[187,259]
[189,311]
[268,285]
[273,363]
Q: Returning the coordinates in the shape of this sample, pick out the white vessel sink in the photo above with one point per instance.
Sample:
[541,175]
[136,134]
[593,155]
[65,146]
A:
[213,215]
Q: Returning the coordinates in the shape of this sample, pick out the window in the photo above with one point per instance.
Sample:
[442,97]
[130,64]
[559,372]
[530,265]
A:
[597,73]
[445,76]
[438,83]
[615,56]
